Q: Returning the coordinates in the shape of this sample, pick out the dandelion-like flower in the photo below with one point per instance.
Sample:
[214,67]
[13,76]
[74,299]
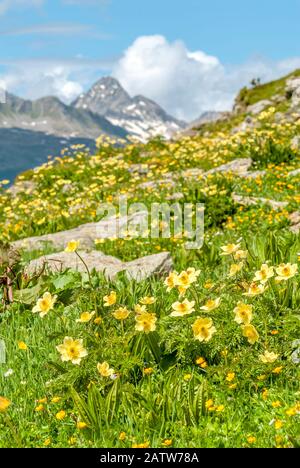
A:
[203,329]
[44,305]
[72,350]
[183,308]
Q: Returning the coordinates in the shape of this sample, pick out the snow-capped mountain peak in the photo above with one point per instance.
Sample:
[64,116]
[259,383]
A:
[138,115]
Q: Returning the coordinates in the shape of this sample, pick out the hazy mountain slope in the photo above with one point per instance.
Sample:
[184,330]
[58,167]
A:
[51,116]
[28,149]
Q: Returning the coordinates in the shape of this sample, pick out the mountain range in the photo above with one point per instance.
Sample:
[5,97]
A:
[30,131]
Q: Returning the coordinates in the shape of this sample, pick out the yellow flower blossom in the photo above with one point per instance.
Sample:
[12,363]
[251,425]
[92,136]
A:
[235,268]
[286,271]
[171,281]
[45,304]
[122,436]
[211,304]
[250,332]
[85,317]
[110,300]
[60,415]
[72,246]
[72,350]
[145,322]
[147,300]
[243,313]
[4,404]
[203,329]
[23,346]
[230,249]
[254,290]
[81,425]
[264,274]
[268,357]
[121,314]
[181,309]
[240,254]
[104,369]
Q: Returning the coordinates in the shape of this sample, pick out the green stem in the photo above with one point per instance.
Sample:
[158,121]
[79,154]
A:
[86,267]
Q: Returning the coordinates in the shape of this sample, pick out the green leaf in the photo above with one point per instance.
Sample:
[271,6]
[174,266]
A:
[28,296]
[66,281]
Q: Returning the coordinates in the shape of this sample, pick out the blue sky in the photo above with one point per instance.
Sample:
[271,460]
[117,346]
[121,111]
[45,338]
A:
[158,48]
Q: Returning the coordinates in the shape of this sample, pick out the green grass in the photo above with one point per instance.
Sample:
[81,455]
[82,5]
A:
[159,389]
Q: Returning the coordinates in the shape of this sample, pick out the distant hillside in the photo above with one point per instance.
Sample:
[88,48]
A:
[28,149]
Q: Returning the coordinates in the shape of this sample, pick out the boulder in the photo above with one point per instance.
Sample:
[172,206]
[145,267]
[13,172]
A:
[258,107]
[85,234]
[140,269]
[248,201]
[238,166]
[295,222]
[294,173]
[26,186]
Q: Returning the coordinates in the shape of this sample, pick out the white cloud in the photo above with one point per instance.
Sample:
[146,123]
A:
[51,28]
[187,83]
[65,79]
[6,5]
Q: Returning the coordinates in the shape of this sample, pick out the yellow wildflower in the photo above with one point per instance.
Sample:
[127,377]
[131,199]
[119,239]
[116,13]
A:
[230,249]
[85,317]
[72,246]
[4,404]
[250,332]
[183,308]
[147,300]
[211,304]
[286,271]
[121,314]
[45,304]
[268,357]
[104,369]
[145,322]
[23,346]
[264,274]
[72,350]
[243,313]
[110,300]
[203,329]
[60,415]
[254,290]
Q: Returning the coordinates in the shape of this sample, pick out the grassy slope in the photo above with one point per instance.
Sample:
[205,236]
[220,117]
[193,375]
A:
[233,398]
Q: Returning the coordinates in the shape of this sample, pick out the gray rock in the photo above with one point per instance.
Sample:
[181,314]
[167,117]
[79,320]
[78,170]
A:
[292,84]
[293,87]
[295,222]
[253,174]
[175,196]
[248,201]
[258,107]
[238,166]
[141,169]
[22,186]
[138,270]
[192,173]
[295,143]
[85,234]
[294,173]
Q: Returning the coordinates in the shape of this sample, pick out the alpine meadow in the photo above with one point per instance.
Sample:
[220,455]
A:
[139,341]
